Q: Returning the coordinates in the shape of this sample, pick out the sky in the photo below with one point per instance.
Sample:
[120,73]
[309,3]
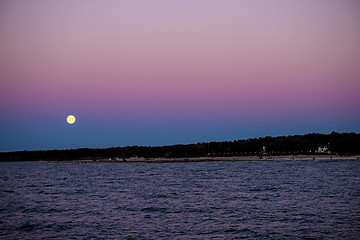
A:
[155,73]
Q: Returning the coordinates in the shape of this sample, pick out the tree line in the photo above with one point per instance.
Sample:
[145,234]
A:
[335,143]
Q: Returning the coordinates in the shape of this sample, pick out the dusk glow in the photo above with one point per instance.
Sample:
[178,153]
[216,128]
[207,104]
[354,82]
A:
[169,72]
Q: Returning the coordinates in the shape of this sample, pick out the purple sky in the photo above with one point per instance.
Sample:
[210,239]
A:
[169,72]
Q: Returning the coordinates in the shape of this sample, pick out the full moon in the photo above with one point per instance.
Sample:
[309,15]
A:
[70,119]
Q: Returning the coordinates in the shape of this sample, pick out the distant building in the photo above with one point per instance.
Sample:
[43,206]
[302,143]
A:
[323,149]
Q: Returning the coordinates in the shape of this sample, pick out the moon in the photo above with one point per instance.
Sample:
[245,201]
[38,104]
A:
[70,119]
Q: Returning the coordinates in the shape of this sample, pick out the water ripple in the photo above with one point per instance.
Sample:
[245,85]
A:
[213,200]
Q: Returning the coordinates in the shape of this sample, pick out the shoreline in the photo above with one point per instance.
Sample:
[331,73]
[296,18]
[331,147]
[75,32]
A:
[227,159]
[208,159]
[246,158]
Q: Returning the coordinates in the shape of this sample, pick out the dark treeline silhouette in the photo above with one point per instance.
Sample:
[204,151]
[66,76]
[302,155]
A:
[336,143]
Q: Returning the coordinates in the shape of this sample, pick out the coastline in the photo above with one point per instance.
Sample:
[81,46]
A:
[233,158]
[205,159]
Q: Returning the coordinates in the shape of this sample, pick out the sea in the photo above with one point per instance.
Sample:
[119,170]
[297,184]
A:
[180,200]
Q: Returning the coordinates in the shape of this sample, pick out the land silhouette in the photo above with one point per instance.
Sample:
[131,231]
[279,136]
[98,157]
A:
[339,144]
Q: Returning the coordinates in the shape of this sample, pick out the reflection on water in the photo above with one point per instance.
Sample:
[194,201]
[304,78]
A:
[251,200]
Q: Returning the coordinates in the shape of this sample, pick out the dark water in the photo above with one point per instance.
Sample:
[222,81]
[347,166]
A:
[220,200]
